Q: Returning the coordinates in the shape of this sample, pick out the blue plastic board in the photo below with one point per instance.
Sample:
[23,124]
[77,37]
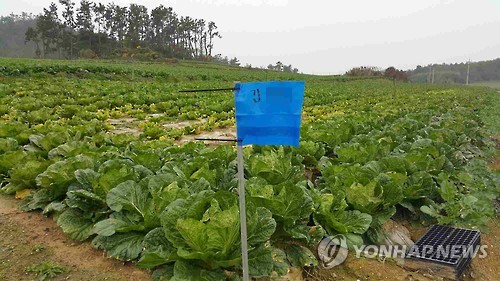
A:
[269,113]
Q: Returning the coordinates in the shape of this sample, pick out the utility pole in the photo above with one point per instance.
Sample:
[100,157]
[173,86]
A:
[468,71]
[429,75]
[432,81]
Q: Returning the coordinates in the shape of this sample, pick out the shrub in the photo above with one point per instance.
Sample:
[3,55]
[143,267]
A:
[87,54]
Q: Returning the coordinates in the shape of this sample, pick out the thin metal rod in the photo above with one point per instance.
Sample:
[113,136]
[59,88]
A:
[204,139]
[468,70]
[209,90]
[243,214]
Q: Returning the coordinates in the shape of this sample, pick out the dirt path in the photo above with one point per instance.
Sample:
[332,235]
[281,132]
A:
[27,239]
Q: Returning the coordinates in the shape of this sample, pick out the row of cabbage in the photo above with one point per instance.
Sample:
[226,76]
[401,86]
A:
[366,156]
[178,205]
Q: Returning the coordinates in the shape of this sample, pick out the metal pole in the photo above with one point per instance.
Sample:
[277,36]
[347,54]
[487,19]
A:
[468,69]
[243,214]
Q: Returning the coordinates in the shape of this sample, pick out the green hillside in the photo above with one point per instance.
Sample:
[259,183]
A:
[457,73]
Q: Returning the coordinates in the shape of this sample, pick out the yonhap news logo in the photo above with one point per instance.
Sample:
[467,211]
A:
[332,250]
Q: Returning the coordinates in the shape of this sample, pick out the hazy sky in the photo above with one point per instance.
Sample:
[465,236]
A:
[330,36]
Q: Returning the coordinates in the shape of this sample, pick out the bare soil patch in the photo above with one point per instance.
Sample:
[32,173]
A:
[183,124]
[222,133]
[26,239]
[126,125]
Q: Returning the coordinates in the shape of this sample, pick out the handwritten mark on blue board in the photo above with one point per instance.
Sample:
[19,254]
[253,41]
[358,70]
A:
[269,113]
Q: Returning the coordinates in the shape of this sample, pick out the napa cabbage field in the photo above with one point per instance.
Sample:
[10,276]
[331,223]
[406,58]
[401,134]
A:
[371,150]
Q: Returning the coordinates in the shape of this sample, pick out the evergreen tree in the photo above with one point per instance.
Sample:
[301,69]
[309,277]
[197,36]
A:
[102,29]
[69,25]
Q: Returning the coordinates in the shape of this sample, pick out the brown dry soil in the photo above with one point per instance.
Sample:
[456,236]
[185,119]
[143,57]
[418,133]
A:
[27,239]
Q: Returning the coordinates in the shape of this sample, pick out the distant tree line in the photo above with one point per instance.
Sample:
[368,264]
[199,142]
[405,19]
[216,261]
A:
[95,29]
[225,60]
[279,66]
[372,71]
[365,71]
[457,73]
[12,29]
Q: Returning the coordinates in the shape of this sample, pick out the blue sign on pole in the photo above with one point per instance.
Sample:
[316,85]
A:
[269,113]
